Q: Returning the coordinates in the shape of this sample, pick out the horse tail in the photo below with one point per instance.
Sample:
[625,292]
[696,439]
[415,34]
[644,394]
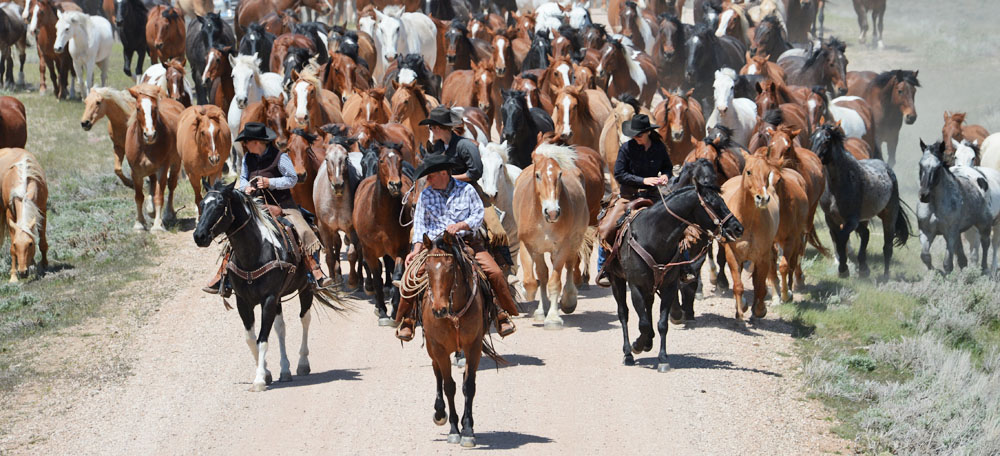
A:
[331,299]
[814,241]
[902,228]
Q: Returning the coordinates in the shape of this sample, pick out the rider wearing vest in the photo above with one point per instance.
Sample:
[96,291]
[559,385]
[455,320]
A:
[448,204]
[269,173]
[442,123]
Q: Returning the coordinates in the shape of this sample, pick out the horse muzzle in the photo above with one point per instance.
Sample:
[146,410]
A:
[395,188]
[677,135]
[450,58]
[552,215]
[159,46]
[910,118]
[213,159]
[149,138]
[735,233]
[761,201]
[439,313]
[202,239]
[338,189]
[501,71]
[301,177]
[241,103]
[58,50]
[924,195]
[87,125]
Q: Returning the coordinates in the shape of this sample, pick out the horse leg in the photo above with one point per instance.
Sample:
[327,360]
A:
[246,314]
[103,65]
[139,64]
[863,233]
[196,187]
[926,239]
[449,390]
[722,282]
[472,352]
[333,258]
[859,10]
[279,329]
[268,311]
[161,182]
[305,316]
[840,237]
[376,274]
[554,289]
[440,417]
[127,55]
[618,285]
[663,325]
[641,302]
[169,213]
[736,270]
[760,274]
[949,257]
[984,234]
[877,27]
[541,278]
[13,261]
[43,245]
[140,220]
[530,281]
[21,55]
[569,296]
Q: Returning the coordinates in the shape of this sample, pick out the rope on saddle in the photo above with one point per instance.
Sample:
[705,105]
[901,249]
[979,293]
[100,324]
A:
[413,282]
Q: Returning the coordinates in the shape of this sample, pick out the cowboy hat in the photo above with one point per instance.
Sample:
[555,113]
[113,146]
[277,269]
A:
[256,131]
[433,163]
[637,125]
[444,117]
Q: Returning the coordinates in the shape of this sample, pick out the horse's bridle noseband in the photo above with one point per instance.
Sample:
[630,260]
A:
[716,220]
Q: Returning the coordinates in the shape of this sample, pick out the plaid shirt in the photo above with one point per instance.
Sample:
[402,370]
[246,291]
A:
[436,209]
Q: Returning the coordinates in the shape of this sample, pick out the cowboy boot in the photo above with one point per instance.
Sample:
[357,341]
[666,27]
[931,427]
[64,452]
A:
[322,281]
[405,330]
[220,283]
[505,326]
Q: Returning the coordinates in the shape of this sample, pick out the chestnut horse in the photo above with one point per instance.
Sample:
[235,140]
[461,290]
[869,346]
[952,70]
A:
[378,203]
[285,42]
[203,143]
[372,133]
[165,34]
[250,11]
[60,65]
[409,106]
[344,76]
[151,150]
[476,87]
[218,77]
[682,124]
[955,130]
[333,198]
[118,106]
[793,222]
[13,122]
[580,115]
[612,137]
[269,111]
[367,106]
[311,106]
[306,151]
[890,95]
[25,196]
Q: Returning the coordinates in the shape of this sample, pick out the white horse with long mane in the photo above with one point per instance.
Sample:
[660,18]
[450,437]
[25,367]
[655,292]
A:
[497,184]
[89,40]
[738,114]
[399,32]
[250,86]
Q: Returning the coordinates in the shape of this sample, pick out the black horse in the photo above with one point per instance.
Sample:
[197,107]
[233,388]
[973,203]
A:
[707,53]
[539,53]
[295,60]
[426,79]
[658,232]
[258,41]
[130,17]
[520,126]
[262,269]
[204,33]
[707,12]
[769,37]
[317,32]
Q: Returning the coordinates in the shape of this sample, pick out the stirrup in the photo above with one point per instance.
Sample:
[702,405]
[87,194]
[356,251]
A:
[402,326]
[508,321]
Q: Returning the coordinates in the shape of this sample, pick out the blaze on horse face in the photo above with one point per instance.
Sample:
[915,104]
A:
[759,179]
[216,215]
[147,114]
[440,274]
[548,187]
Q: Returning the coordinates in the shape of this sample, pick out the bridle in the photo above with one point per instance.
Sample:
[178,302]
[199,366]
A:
[716,220]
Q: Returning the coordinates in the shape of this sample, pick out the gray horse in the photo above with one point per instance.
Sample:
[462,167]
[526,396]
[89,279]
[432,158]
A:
[856,192]
[952,202]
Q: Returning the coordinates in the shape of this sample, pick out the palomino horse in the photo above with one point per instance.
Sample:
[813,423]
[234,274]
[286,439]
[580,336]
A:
[825,66]
[877,9]
[367,106]
[25,196]
[333,198]
[13,123]
[580,115]
[476,87]
[552,214]
[311,106]
[858,191]
[682,124]
[165,34]
[225,211]
[12,33]
[306,152]
[754,201]
[151,150]
[203,143]
[60,65]
[693,204]
[737,114]
[627,71]
[130,18]
[955,130]
[118,106]
[521,125]
[378,203]
[890,95]
[88,39]
[217,78]
[410,106]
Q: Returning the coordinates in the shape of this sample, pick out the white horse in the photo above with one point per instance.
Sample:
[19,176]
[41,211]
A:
[738,114]
[89,40]
[398,32]
[250,85]
[497,184]
[549,16]
[990,152]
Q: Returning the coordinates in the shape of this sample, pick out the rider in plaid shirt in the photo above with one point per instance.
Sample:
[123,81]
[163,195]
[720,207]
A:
[437,209]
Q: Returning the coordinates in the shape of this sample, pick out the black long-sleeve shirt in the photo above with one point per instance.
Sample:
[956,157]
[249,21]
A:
[464,152]
[636,163]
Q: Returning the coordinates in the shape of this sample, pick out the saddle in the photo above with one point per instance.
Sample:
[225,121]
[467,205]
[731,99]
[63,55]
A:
[614,217]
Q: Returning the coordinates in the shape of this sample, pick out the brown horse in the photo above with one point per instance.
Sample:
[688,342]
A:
[722,152]
[476,87]
[248,11]
[203,143]
[333,199]
[306,151]
[345,77]
[762,65]
[550,206]
[826,66]
[955,130]
[891,97]
[528,83]
[793,222]
[280,49]
[218,76]
[640,26]
[367,106]
[165,34]
[877,9]
[311,106]
[627,72]
[25,196]
[377,207]
[841,109]
[279,22]
[13,122]
[793,115]
[682,124]
[753,199]
[612,137]
[580,115]
[269,111]
[504,60]
[372,133]
[409,106]
[174,79]
[118,106]
[151,150]
[60,65]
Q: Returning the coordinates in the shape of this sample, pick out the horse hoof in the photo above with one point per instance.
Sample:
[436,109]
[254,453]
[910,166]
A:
[138,227]
[676,321]
[268,378]
[553,324]
[539,315]
[454,438]
[629,360]
[302,370]
[385,321]
[258,387]
[157,229]
[468,442]
[285,377]
[440,421]
[663,368]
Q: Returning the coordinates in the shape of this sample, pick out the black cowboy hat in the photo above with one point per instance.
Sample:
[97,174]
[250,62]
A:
[256,130]
[637,125]
[444,117]
[433,163]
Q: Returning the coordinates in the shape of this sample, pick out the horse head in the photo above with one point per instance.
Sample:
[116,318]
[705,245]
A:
[966,153]
[484,84]
[513,112]
[66,24]
[724,86]
[567,106]
[700,52]
[550,161]
[175,82]
[373,104]
[715,214]
[560,73]
[494,157]
[445,265]
[406,100]
[781,145]
[93,110]
[336,164]
[594,36]
[677,114]
[756,63]
[387,33]
[527,84]
[276,117]
[952,128]
[245,72]
[612,58]
[831,56]
[165,28]
[828,142]
[501,54]
[214,62]
[295,59]
[210,131]
[147,98]
[390,168]
[299,146]
[768,97]
[216,210]
[769,32]
[932,165]
[23,220]
[456,37]
[670,39]
[305,95]
[760,176]
[904,90]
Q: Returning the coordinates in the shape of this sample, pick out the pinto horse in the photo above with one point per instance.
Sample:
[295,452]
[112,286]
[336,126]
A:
[639,26]
[151,150]
[13,123]
[682,124]
[378,203]
[580,115]
[333,198]
[955,130]
[203,143]
[205,33]
[117,106]
[311,106]
[891,96]
[25,195]
[165,37]
[59,64]
[627,71]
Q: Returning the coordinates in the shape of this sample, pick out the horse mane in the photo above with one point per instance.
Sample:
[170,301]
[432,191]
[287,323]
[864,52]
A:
[395,11]
[167,13]
[247,60]
[122,98]
[837,45]
[565,156]
[828,133]
[630,99]
[774,117]
[256,27]
[771,20]
[459,25]
[72,16]
[907,76]
[258,213]
[304,134]
[704,32]
[500,149]
[27,170]
[310,73]
[572,35]
[530,76]
[299,53]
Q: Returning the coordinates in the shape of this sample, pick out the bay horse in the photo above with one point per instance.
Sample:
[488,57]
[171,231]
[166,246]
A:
[825,66]
[552,214]
[476,87]
[769,38]
[203,143]
[217,77]
[250,11]
[639,26]
[858,192]
[682,123]
[370,134]
[13,123]
[279,22]
[165,37]
[580,115]
[60,65]
[706,54]
[521,125]
[130,18]
[669,53]
[151,150]
[13,32]
[891,96]
[306,152]
[627,71]
[344,76]
[311,106]
[88,40]
[877,10]
[955,130]
[504,60]
[410,106]
[692,204]
[257,243]
[378,203]
[118,106]
[367,106]
[793,115]
[333,198]
[462,51]
[205,33]
[25,196]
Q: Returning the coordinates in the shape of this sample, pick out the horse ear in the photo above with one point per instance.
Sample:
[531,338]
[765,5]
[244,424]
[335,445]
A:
[947,116]
[795,132]
[956,144]
[230,187]
[232,60]
[749,57]
[427,242]
[689,93]
[758,87]
[134,91]
[922,145]
[837,125]
[395,84]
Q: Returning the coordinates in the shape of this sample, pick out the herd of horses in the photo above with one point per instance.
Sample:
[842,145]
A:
[757,109]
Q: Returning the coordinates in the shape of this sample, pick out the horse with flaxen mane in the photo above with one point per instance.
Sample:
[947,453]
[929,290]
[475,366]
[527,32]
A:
[118,106]
[25,196]
[311,106]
